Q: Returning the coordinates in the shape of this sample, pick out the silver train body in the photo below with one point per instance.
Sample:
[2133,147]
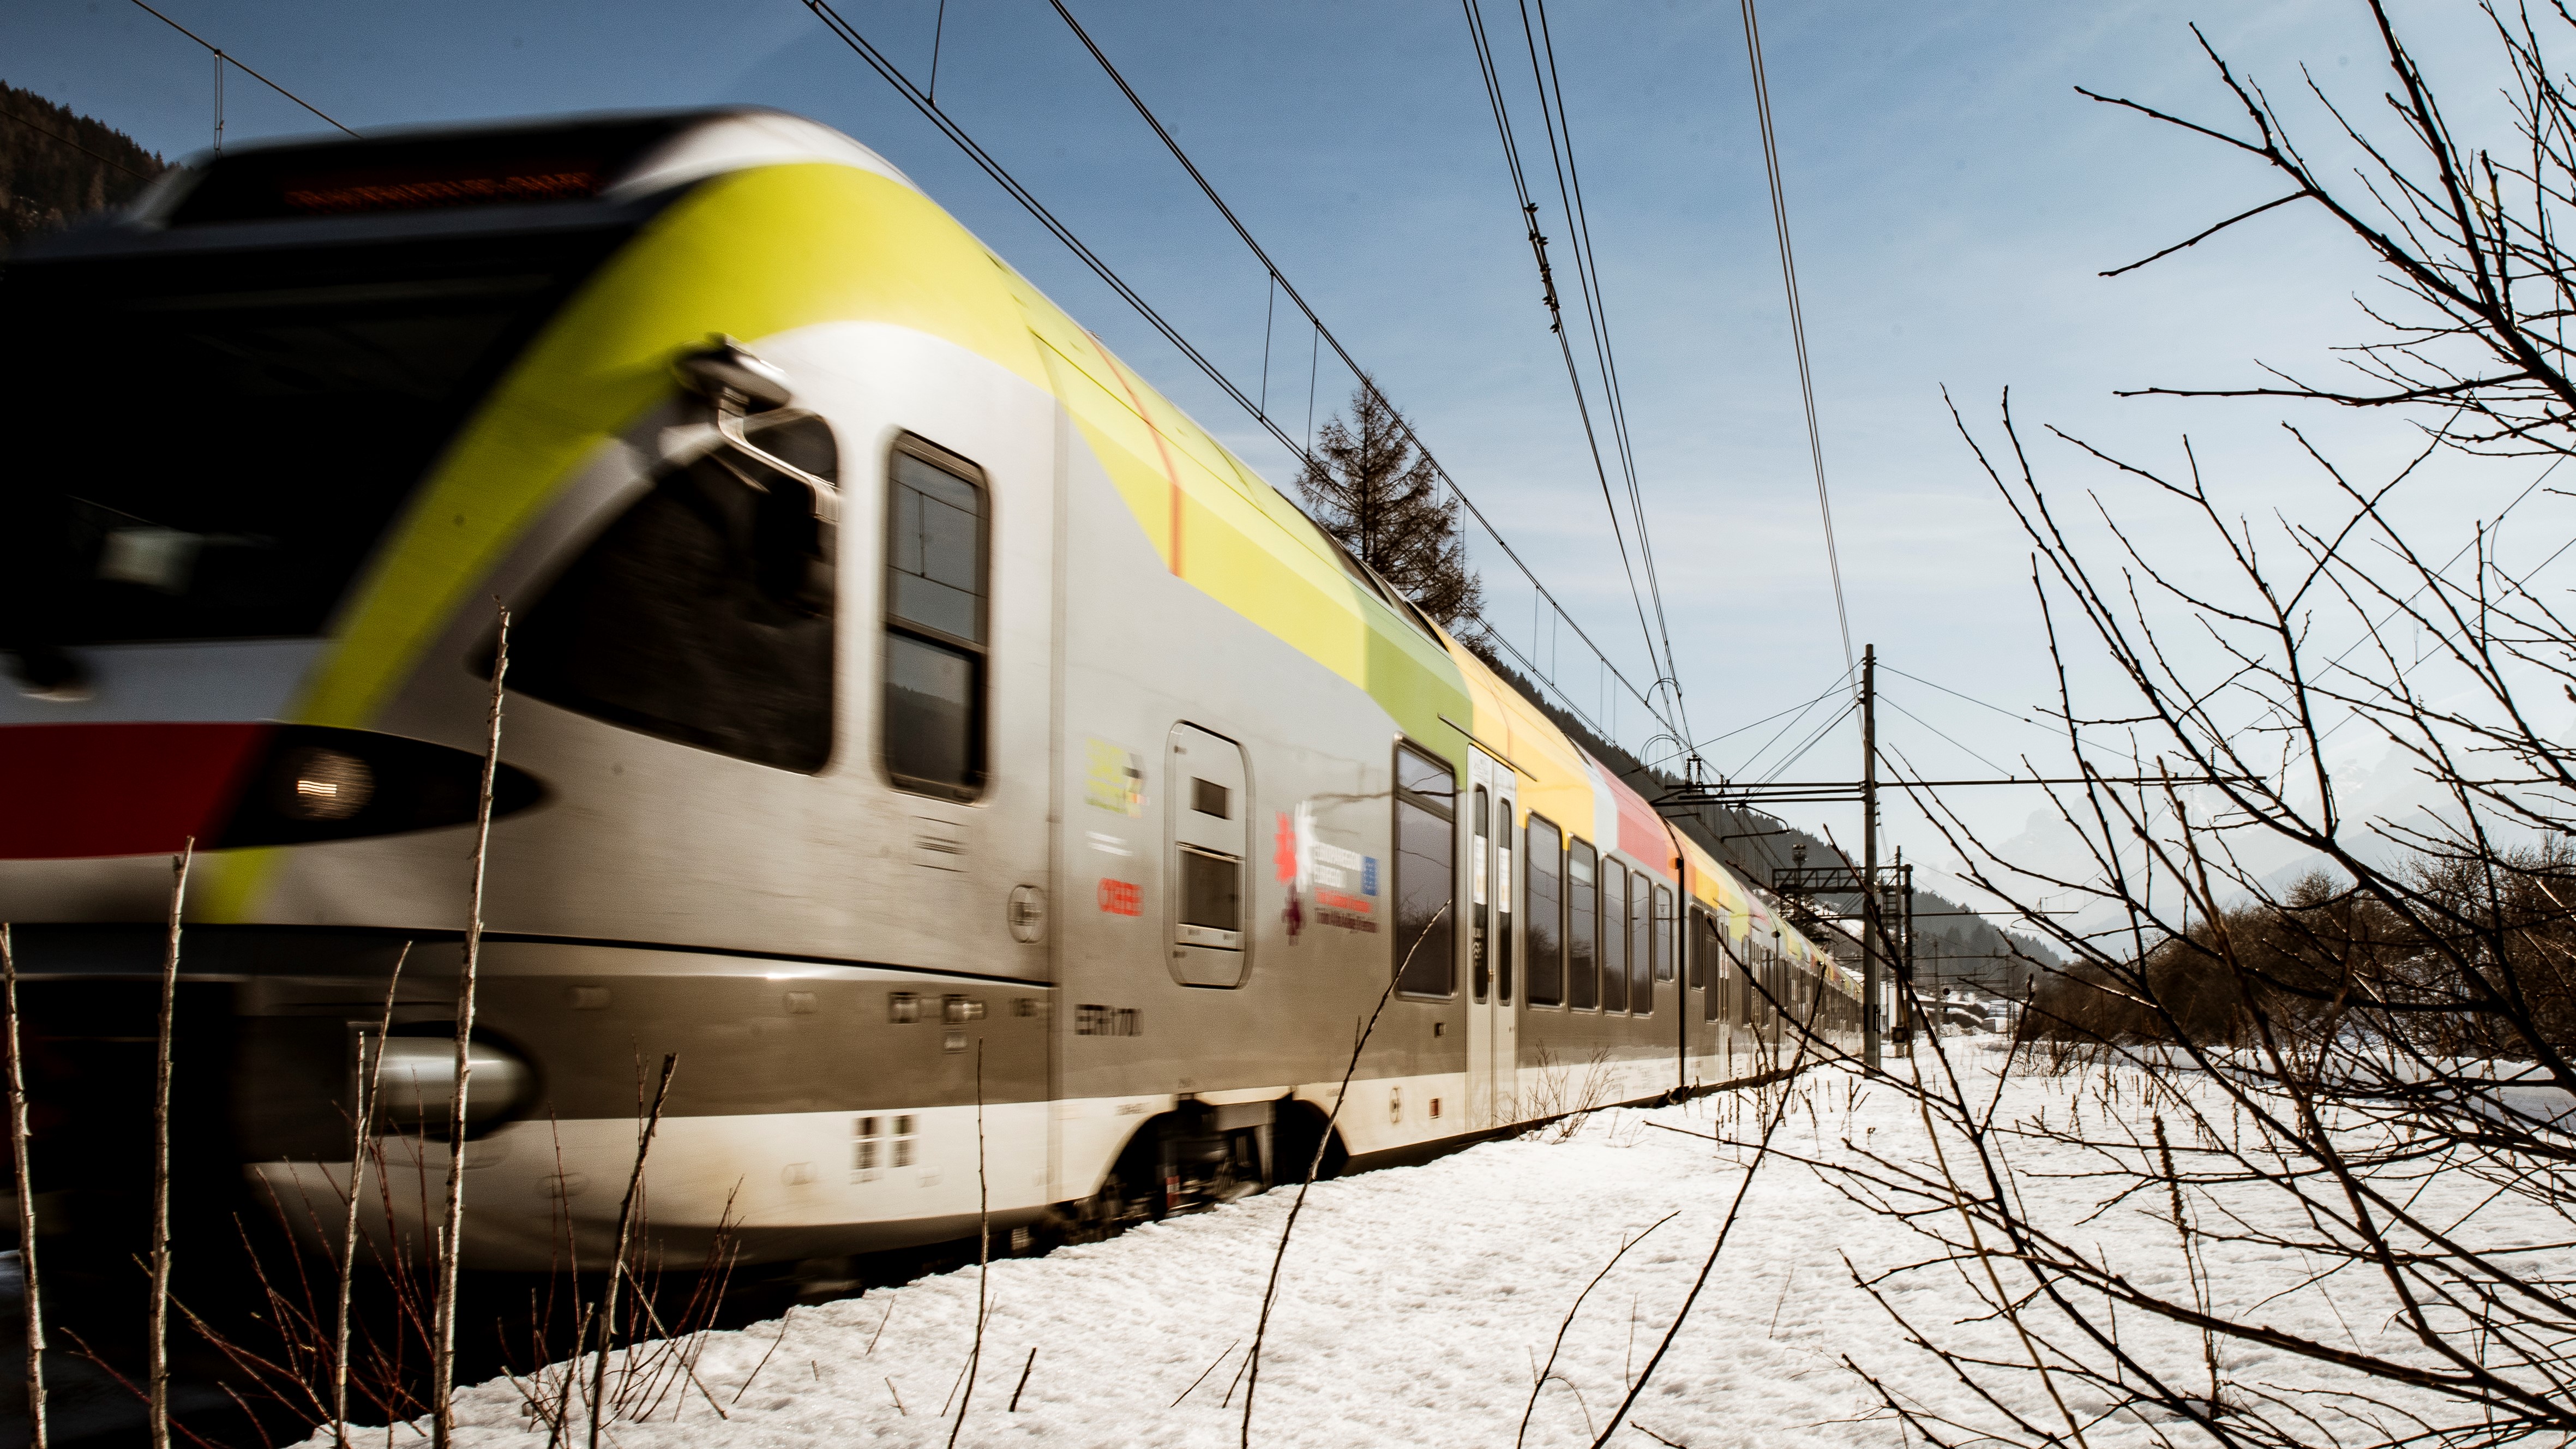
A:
[986,788]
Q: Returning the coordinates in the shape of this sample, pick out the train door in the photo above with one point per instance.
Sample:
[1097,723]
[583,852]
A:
[1493,1039]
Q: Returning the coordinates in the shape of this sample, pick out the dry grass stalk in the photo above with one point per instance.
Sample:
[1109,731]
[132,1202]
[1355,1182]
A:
[1548,1370]
[2191,1264]
[783,1320]
[1590,1096]
[1024,1379]
[159,1345]
[983,1249]
[1323,1140]
[26,1202]
[450,1245]
[606,1315]
[1185,1393]
[361,1136]
[1761,1154]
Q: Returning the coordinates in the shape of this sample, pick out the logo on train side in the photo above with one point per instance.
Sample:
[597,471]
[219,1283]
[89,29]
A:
[1326,871]
[1121,897]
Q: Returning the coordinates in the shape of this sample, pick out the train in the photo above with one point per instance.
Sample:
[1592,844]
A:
[1002,805]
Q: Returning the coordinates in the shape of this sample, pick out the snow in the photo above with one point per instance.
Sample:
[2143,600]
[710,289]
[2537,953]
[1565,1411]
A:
[1415,1303]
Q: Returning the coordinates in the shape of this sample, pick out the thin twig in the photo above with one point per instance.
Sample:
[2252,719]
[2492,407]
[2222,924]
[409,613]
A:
[1251,1371]
[1539,1381]
[983,1249]
[1761,1153]
[606,1316]
[1203,1373]
[159,1366]
[1024,1380]
[26,1202]
[362,1130]
[687,1365]
[764,1358]
[451,1245]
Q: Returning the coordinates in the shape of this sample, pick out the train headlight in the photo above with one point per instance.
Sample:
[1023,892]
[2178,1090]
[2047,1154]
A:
[324,784]
[416,1082]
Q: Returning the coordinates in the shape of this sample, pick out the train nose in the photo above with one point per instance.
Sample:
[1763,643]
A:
[86,790]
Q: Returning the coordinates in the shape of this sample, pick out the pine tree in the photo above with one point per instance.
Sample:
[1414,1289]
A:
[1368,486]
[57,165]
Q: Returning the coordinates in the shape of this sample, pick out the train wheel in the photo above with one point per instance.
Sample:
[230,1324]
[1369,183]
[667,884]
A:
[1105,1214]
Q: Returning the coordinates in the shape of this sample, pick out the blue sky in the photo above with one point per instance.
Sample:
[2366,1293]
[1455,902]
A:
[1951,196]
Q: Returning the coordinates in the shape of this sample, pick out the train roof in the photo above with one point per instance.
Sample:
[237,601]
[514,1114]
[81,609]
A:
[481,177]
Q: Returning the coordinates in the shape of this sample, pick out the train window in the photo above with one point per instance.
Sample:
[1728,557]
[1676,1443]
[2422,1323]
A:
[313,387]
[1545,904]
[935,621]
[1642,924]
[1774,985]
[1695,949]
[1614,936]
[1209,847]
[1503,903]
[1211,897]
[670,623]
[1426,873]
[867,1149]
[1708,952]
[1663,933]
[1582,910]
[1480,971]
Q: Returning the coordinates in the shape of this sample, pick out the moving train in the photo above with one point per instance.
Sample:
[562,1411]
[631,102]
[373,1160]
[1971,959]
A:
[914,724]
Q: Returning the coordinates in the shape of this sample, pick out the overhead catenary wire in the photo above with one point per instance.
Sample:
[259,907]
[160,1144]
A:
[1803,711]
[1936,729]
[1538,248]
[1797,317]
[1288,289]
[228,58]
[849,35]
[1830,691]
[2050,727]
[1587,271]
[1814,738]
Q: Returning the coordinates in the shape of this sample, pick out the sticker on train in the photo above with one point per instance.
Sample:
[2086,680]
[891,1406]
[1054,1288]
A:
[1116,779]
[1121,897]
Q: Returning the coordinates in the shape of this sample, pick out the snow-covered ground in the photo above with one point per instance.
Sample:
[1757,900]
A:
[1416,1304]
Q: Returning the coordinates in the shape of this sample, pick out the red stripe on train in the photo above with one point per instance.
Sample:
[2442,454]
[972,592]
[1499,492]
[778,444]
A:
[77,790]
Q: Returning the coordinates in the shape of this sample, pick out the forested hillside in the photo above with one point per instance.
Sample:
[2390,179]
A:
[1951,945]
[57,165]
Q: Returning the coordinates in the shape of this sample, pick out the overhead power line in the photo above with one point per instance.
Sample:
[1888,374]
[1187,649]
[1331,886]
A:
[1597,310]
[920,100]
[1797,318]
[1547,284]
[228,58]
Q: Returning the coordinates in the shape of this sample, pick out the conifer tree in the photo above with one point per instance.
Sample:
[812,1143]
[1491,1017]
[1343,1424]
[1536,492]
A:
[1377,494]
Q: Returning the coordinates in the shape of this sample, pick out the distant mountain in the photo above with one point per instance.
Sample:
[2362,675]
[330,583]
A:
[57,165]
[1951,945]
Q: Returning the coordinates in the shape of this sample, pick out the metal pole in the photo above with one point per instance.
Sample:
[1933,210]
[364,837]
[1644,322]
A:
[1909,933]
[1870,1025]
[1905,957]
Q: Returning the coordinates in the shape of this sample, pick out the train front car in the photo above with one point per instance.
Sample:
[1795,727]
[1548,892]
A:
[995,797]
[342,396]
